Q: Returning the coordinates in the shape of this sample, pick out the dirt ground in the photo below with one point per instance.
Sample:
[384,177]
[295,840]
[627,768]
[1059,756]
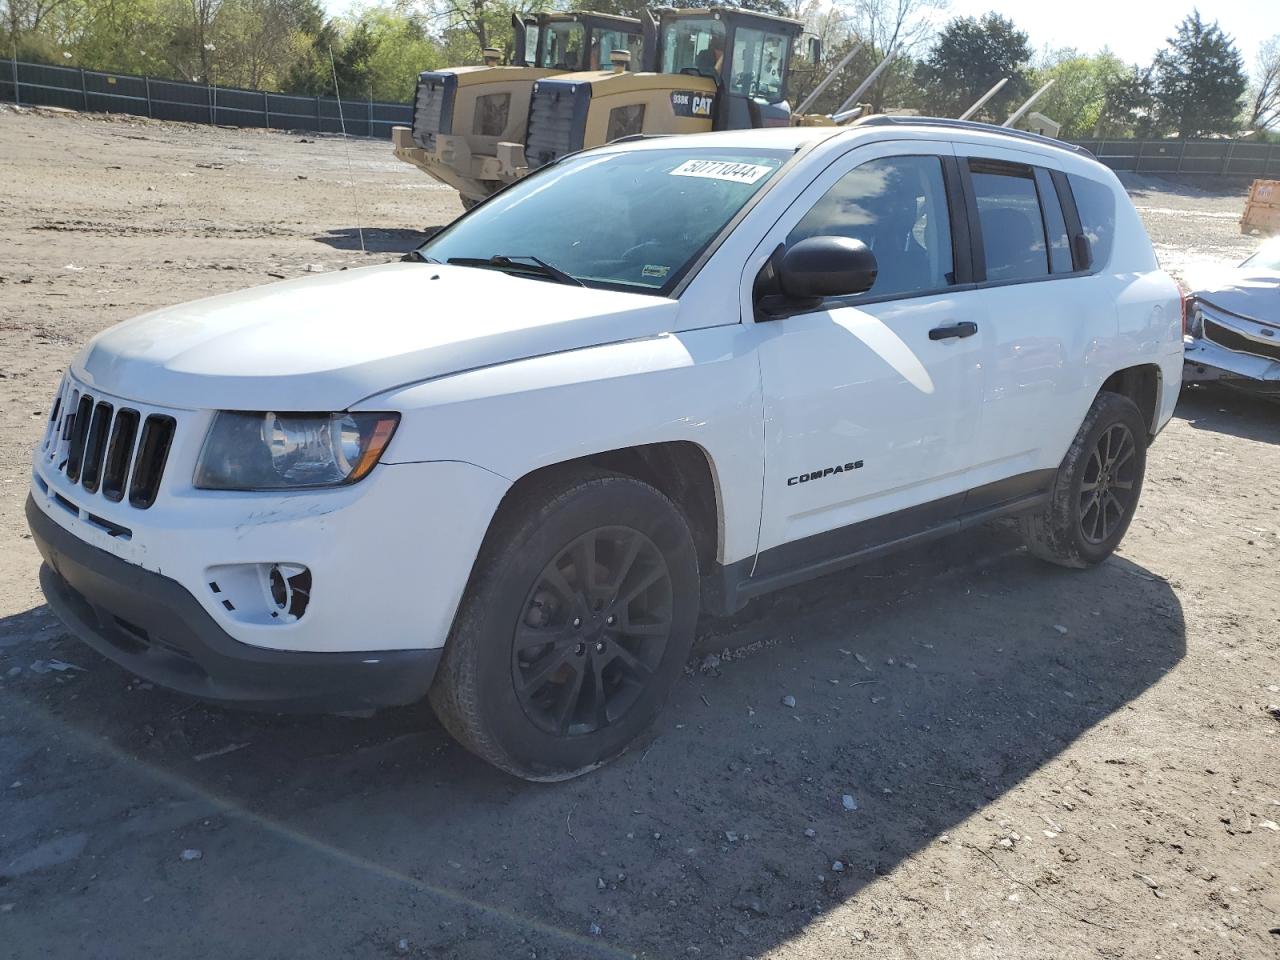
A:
[1044,763]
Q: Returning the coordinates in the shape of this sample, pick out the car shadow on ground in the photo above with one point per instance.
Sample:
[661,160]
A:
[1224,410]
[926,686]
[377,239]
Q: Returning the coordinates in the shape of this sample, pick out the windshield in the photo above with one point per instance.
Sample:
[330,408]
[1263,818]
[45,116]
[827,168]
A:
[693,45]
[1267,258]
[634,220]
[562,46]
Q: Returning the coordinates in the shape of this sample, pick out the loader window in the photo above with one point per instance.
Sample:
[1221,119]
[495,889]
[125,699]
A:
[759,64]
[693,46]
[631,220]
[604,42]
[531,31]
[563,47]
[625,121]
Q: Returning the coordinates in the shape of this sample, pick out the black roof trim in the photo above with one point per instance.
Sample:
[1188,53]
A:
[881,120]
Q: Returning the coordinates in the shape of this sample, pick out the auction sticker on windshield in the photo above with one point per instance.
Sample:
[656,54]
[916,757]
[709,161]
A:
[722,170]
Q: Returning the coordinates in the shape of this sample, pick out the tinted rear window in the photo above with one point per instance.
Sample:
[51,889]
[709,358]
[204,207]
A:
[1097,207]
[1013,239]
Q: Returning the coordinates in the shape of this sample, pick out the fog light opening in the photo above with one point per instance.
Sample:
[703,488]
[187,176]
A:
[289,587]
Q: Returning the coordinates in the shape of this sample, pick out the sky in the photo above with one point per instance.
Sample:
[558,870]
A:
[1133,29]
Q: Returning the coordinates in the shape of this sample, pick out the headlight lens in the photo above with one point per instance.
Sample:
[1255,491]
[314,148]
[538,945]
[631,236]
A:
[280,451]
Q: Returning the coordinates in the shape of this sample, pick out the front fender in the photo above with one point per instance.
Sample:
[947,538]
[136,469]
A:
[700,386]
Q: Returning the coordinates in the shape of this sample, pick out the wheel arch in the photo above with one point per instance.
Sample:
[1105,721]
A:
[682,470]
[1143,385]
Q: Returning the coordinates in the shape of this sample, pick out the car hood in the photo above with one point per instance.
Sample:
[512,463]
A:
[327,342]
[1247,293]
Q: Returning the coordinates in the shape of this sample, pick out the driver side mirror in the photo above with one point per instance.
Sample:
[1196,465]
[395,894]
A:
[821,267]
[798,278]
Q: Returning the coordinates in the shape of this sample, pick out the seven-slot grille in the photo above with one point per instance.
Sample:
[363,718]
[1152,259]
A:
[107,448]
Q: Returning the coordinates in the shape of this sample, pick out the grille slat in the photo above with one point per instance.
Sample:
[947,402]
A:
[115,475]
[108,450]
[79,437]
[153,451]
[95,448]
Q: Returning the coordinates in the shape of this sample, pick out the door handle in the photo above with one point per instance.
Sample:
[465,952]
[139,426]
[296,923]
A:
[954,331]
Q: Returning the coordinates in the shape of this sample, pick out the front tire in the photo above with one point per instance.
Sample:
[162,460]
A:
[578,619]
[1096,490]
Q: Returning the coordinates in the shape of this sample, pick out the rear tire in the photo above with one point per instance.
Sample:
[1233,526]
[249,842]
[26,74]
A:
[578,619]
[1096,490]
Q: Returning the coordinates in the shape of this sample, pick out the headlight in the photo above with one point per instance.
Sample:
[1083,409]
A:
[279,451]
[1195,323]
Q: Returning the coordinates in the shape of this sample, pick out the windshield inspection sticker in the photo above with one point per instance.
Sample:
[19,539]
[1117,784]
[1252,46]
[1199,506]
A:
[722,170]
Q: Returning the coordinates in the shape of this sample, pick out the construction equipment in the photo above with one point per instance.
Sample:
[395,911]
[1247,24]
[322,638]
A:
[1262,209]
[462,114]
[716,68]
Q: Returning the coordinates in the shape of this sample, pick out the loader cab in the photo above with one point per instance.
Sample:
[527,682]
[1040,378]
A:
[714,68]
[574,41]
[748,55]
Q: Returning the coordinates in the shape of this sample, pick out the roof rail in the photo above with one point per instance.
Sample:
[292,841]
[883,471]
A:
[883,120]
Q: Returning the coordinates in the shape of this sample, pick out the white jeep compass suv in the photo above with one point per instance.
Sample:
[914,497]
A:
[656,377]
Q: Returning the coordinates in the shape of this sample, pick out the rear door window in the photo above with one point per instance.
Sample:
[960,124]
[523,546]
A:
[1013,232]
[1097,206]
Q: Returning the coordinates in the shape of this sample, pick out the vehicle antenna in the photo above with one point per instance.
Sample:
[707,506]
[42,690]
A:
[355,194]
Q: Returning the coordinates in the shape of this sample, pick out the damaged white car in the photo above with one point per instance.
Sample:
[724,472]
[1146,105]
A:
[1233,326]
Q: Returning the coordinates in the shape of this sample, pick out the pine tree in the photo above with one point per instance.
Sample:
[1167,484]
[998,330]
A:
[1199,80]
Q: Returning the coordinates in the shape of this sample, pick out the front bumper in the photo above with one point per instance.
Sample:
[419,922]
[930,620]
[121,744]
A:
[152,626]
[1206,361]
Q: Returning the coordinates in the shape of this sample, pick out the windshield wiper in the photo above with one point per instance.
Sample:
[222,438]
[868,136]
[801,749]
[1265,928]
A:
[523,262]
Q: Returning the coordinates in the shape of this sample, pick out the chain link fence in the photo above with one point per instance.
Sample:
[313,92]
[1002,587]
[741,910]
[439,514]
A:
[37,84]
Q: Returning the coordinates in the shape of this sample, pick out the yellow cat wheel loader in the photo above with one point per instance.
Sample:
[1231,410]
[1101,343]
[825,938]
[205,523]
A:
[717,68]
[462,114]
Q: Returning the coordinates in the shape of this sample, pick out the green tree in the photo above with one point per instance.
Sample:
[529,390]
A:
[970,56]
[1078,96]
[1129,109]
[257,42]
[403,50]
[1199,80]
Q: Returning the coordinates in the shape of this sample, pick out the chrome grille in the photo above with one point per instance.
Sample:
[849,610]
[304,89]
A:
[107,449]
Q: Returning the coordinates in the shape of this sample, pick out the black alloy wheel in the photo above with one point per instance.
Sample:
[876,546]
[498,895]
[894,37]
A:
[1107,487]
[595,626]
